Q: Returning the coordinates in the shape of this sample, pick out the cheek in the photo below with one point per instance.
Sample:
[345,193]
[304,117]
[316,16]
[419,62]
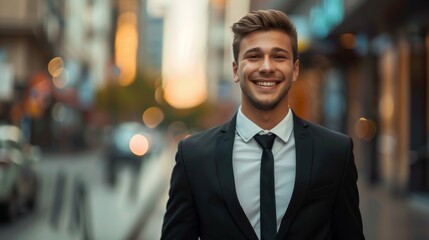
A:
[241,72]
[288,71]
[248,70]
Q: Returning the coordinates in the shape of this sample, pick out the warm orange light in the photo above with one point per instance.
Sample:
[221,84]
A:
[139,145]
[126,43]
[152,117]
[186,92]
[303,45]
[184,74]
[387,106]
[365,129]
[61,80]
[56,66]
[126,5]
[159,95]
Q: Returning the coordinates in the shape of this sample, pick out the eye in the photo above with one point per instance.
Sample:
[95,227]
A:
[253,56]
[279,57]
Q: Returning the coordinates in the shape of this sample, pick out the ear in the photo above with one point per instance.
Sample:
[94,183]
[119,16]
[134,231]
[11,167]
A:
[295,70]
[234,70]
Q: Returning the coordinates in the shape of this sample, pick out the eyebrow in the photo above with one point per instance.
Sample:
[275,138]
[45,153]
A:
[258,49]
[277,49]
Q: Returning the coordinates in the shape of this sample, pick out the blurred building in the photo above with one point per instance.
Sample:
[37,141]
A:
[25,50]
[54,55]
[223,94]
[24,44]
[151,33]
[367,63]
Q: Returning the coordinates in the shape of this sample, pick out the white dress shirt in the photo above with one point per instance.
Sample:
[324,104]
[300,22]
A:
[246,161]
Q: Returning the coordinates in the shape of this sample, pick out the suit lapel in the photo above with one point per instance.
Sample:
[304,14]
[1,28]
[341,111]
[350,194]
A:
[304,158]
[224,148]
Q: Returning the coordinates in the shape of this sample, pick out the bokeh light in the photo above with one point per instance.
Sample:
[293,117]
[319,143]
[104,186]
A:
[61,80]
[184,73]
[126,43]
[152,117]
[159,92]
[365,129]
[56,66]
[139,145]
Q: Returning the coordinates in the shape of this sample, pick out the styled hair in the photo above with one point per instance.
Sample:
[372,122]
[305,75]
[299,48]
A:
[263,20]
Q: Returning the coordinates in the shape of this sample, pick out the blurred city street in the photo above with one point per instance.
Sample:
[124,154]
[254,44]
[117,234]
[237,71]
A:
[96,94]
[104,212]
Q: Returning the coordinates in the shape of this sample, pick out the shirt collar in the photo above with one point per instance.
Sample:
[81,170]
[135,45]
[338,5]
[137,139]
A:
[247,129]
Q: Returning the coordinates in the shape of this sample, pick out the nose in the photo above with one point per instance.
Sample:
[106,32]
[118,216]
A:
[266,66]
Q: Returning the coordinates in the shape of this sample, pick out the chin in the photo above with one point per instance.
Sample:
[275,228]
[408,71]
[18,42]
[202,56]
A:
[264,105]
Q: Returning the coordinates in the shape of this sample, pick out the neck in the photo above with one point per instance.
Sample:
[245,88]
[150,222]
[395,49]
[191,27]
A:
[266,119]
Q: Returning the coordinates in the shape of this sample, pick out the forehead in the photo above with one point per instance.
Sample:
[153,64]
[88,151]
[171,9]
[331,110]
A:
[266,41]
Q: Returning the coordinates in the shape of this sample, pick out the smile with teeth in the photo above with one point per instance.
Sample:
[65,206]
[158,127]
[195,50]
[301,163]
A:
[266,84]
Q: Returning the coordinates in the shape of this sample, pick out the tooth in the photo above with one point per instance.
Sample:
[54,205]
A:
[266,84]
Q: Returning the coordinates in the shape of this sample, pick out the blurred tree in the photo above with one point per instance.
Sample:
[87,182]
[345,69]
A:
[125,103]
[121,103]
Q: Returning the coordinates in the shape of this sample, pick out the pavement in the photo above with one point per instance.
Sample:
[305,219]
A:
[122,212]
[132,204]
[76,203]
[389,216]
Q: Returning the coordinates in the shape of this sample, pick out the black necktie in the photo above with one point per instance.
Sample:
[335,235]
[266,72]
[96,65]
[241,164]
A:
[267,193]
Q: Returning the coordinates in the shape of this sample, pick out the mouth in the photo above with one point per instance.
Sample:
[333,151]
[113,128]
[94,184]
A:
[266,83]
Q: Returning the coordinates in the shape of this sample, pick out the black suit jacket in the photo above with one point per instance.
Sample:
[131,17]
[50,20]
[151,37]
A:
[203,200]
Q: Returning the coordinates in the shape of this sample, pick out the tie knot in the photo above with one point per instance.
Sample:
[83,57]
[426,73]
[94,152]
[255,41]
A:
[265,141]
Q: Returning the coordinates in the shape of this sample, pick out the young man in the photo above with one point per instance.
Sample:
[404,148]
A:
[302,188]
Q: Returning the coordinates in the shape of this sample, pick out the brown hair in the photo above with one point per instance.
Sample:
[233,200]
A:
[263,20]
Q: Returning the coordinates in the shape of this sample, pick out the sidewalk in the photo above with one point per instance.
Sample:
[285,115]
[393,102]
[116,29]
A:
[389,217]
[87,208]
[149,224]
[128,203]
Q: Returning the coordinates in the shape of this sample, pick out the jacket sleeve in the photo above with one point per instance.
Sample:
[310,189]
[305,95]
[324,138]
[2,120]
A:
[180,219]
[347,220]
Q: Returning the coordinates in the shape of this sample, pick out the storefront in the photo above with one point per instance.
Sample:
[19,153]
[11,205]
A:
[376,83]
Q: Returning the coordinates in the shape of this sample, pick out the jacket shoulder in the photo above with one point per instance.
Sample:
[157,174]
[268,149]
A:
[321,131]
[323,135]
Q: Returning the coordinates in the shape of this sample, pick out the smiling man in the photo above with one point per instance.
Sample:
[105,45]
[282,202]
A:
[267,174]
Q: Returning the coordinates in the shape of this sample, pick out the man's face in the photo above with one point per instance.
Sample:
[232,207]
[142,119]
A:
[265,69]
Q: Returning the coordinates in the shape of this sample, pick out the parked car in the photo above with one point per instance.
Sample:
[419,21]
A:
[129,144]
[19,183]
